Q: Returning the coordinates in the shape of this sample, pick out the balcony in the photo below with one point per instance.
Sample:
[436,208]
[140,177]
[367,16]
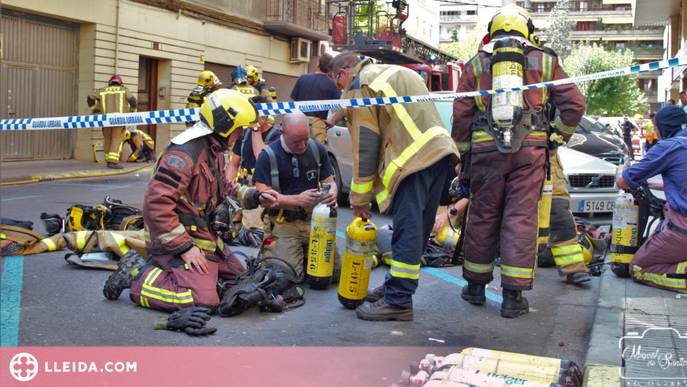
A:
[458,19]
[298,18]
[621,34]
[446,38]
[578,13]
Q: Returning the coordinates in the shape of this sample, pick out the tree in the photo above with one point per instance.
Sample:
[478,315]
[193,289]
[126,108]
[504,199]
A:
[468,47]
[454,35]
[557,34]
[611,96]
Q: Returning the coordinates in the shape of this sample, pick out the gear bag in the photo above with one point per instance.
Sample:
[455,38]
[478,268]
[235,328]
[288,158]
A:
[107,216]
[270,286]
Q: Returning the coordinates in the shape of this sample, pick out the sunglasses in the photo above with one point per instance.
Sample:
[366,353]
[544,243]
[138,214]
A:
[294,162]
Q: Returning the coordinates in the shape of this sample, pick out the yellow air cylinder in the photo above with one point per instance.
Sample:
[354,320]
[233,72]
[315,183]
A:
[545,215]
[320,265]
[448,237]
[358,260]
[625,240]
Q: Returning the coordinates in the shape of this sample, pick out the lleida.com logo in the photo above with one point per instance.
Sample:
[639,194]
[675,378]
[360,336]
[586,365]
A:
[24,367]
[653,352]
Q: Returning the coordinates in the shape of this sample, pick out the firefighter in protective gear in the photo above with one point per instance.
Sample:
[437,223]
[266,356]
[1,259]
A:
[660,261]
[403,152]
[259,84]
[141,145]
[115,98]
[207,83]
[295,166]
[506,183]
[239,77]
[245,154]
[185,254]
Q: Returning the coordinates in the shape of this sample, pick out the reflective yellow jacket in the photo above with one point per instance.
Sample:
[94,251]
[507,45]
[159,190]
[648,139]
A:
[391,142]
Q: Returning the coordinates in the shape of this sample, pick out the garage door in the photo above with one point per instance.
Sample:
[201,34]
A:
[223,72]
[284,84]
[38,78]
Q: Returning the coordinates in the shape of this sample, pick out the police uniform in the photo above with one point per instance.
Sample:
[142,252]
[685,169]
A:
[243,148]
[289,229]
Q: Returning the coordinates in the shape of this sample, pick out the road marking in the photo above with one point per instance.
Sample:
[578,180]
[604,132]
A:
[103,187]
[449,278]
[23,197]
[10,300]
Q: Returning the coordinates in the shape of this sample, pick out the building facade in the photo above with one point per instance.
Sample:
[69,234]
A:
[423,20]
[610,23]
[55,53]
[464,16]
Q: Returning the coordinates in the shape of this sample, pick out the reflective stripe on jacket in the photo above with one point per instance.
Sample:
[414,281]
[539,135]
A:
[248,90]
[391,142]
[543,66]
[112,99]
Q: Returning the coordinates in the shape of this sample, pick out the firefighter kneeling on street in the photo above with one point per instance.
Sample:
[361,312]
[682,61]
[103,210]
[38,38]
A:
[506,137]
[141,145]
[183,214]
[660,262]
[294,166]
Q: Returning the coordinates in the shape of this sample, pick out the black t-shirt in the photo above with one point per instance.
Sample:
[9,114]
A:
[307,169]
[314,87]
[248,161]
[627,129]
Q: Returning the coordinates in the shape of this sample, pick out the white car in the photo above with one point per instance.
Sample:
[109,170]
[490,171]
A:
[591,180]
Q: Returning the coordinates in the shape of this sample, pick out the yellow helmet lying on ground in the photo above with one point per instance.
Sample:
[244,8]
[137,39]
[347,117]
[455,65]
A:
[225,110]
[513,20]
[208,79]
[253,77]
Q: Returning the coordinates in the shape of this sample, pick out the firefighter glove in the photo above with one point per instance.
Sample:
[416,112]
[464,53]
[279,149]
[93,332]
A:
[557,138]
[189,320]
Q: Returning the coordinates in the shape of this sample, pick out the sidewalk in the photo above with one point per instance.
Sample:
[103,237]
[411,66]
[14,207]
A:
[644,316]
[25,171]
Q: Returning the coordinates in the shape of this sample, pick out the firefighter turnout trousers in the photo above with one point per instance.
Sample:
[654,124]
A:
[167,284]
[319,130]
[505,193]
[663,253]
[113,138]
[290,242]
[567,252]
[415,207]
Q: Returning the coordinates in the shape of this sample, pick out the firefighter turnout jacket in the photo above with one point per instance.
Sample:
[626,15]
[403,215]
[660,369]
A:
[137,139]
[263,90]
[184,191]
[391,142]
[112,99]
[541,66]
[248,90]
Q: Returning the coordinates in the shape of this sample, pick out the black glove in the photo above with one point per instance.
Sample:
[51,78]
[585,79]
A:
[190,320]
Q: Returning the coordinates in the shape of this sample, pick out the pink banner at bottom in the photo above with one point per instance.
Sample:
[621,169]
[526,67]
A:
[195,366]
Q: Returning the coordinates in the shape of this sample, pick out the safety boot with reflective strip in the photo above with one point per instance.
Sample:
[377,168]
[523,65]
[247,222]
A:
[127,268]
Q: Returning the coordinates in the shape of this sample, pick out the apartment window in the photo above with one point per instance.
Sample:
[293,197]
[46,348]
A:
[541,7]
[520,4]
[583,5]
[471,13]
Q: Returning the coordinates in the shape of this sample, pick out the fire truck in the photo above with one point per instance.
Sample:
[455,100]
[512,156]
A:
[357,25]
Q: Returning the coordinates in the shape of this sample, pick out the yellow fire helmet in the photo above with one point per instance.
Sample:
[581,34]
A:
[512,20]
[127,135]
[225,110]
[208,79]
[253,77]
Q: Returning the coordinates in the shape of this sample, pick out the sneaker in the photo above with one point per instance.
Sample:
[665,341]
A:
[474,294]
[114,165]
[514,304]
[578,278]
[121,279]
[375,294]
[381,311]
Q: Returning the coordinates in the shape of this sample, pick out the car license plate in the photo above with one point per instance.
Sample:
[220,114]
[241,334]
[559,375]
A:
[596,206]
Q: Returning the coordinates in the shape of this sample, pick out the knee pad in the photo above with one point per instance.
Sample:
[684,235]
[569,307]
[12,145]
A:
[563,227]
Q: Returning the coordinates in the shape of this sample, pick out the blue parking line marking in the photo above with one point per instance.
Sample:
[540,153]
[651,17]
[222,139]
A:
[341,235]
[23,197]
[10,300]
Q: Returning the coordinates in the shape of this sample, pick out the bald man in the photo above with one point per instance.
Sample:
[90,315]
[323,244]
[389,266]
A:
[294,166]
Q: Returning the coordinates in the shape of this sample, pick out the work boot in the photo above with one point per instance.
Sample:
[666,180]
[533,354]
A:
[121,279]
[381,311]
[375,294]
[514,304]
[112,165]
[578,278]
[474,294]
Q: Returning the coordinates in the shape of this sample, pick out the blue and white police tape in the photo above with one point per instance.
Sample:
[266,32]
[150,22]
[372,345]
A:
[275,108]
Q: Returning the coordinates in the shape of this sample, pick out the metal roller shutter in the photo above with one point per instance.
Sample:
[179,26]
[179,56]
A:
[284,84]
[38,78]
[223,72]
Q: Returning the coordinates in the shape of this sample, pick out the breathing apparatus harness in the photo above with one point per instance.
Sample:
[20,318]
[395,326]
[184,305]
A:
[270,286]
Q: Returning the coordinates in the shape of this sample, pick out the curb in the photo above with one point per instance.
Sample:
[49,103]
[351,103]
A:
[68,175]
[599,375]
[608,325]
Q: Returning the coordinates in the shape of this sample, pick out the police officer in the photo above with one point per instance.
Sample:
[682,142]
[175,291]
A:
[109,100]
[507,173]
[245,154]
[239,78]
[404,152]
[294,166]
[207,83]
[187,188]
[141,145]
